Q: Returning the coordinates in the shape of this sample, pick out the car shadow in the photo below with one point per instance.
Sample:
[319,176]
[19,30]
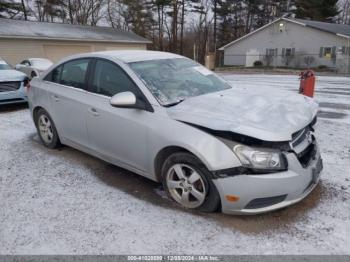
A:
[153,193]
[12,107]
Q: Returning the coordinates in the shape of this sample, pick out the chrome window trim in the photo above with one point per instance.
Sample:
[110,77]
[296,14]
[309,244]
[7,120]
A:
[70,87]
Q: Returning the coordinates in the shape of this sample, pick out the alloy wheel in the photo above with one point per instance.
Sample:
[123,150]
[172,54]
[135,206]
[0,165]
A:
[45,129]
[186,186]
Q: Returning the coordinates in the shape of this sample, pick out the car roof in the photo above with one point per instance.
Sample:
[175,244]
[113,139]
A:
[2,61]
[37,58]
[128,56]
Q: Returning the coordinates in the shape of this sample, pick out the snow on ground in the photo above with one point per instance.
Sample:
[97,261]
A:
[66,202]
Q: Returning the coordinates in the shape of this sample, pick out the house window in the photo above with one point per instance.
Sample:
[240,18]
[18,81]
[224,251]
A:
[288,52]
[327,52]
[345,50]
[271,52]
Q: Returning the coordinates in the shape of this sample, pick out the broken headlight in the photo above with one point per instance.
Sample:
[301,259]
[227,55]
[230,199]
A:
[260,159]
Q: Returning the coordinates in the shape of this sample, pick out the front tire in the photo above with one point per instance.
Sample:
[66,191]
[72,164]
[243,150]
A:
[188,182]
[46,129]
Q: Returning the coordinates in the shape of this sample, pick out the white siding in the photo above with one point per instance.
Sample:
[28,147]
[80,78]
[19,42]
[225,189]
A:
[305,40]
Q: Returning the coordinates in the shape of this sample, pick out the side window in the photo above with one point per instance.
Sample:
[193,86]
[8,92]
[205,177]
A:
[56,74]
[74,73]
[109,79]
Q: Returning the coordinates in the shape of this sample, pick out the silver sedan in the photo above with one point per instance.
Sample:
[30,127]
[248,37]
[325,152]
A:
[165,117]
[12,85]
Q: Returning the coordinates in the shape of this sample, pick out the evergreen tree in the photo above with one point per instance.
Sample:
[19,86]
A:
[320,10]
[139,17]
[231,20]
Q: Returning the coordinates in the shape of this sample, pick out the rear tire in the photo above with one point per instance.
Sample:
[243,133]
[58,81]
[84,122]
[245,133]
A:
[46,129]
[188,182]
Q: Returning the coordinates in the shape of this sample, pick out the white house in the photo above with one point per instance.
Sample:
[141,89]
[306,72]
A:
[293,43]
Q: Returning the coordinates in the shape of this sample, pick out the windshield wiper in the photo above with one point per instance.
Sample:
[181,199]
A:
[175,103]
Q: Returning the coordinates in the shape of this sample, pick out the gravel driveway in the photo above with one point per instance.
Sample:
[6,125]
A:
[66,202]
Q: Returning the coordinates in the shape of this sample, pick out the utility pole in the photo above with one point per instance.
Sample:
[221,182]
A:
[348,52]
[24,10]
[215,22]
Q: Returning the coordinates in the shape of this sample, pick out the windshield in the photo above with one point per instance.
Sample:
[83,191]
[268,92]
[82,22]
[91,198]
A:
[4,66]
[173,80]
[41,62]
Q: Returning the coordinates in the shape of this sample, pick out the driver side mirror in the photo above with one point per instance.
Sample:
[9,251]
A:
[129,100]
[124,99]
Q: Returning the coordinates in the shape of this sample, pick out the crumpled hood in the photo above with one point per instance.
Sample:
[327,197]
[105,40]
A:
[265,114]
[11,75]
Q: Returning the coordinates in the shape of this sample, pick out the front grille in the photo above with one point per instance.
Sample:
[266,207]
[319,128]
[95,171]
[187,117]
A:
[300,136]
[265,202]
[10,86]
[12,100]
[303,145]
[307,155]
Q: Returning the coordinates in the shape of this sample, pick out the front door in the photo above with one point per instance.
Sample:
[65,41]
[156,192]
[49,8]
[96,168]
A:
[118,133]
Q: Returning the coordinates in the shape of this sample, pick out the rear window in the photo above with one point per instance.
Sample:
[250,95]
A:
[4,65]
[72,73]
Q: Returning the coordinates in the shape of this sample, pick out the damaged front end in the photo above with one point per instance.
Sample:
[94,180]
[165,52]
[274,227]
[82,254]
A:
[265,157]
[288,172]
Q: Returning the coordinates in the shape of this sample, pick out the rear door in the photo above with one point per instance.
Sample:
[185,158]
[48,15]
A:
[69,101]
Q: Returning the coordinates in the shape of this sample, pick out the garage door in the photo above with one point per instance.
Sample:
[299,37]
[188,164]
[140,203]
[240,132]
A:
[57,52]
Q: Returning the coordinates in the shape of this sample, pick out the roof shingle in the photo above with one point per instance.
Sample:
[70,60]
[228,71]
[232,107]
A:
[58,31]
[328,27]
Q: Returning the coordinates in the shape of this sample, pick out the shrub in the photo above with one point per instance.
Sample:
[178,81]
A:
[308,60]
[322,67]
[257,63]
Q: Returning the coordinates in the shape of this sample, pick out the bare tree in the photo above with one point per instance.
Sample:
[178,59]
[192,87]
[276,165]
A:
[115,14]
[24,10]
[309,60]
[202,28]
[83,12]
[268,58]
[345,12]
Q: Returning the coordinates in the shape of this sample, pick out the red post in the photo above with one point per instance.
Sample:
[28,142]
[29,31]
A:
[307,83]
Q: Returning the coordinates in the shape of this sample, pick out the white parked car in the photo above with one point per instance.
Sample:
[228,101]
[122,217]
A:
[33,67]
[12,85]
[166,117]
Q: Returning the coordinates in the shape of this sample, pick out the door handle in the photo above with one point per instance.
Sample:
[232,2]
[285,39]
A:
[56,98]
[93,111]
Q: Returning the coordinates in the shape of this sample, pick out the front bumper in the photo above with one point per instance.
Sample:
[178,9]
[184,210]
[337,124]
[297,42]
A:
[266,192]
[12,97]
